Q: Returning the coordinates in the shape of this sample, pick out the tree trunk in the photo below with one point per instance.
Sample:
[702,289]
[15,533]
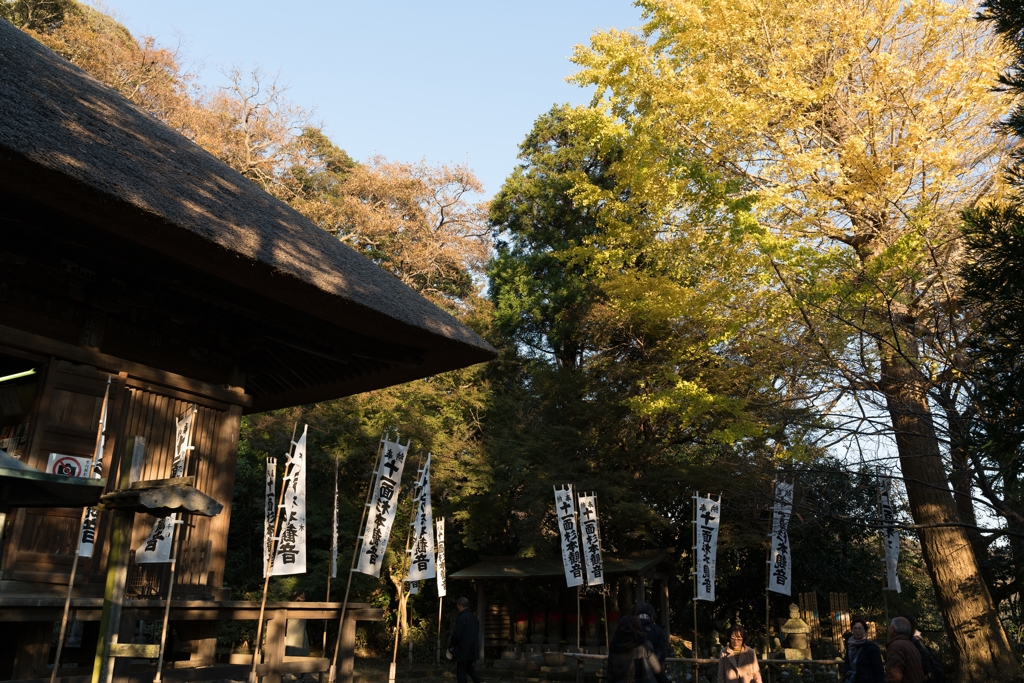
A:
[962,478]
[981,647]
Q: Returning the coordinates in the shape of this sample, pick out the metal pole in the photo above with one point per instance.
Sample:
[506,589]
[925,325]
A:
[333,671]
[253,678]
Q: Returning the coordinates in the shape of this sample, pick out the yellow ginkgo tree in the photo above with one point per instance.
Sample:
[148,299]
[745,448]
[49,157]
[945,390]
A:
[863,128]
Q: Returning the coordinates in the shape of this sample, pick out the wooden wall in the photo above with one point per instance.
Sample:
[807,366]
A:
[39,544]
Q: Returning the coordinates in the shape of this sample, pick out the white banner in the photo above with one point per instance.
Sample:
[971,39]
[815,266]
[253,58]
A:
[442,578]
[565,511]
[421,562]
[269,511]
[707,522]
[383,505]
[290,555]
[92,517]
[591,530]
[88,539]
[157,546]
[890,535]
[781,575]
[334,525]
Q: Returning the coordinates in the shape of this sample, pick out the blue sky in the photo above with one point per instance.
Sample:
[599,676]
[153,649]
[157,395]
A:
[448,80]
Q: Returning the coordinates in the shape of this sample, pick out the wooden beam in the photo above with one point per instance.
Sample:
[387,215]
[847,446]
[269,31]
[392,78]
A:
[38,344]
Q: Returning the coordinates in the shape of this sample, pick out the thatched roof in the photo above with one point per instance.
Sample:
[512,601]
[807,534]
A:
[77,146]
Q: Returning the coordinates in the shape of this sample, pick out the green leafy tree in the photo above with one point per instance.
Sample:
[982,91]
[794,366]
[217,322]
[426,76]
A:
[864,130]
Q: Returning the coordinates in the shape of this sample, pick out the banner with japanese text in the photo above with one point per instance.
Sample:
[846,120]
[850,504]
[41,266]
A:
[890,535]
[157,546]
[780,575]
[421,562]
[706,523]
[269,511]
[591,530]
[442,578]
[565,510]
[383,506]
[334,526]
[290,554]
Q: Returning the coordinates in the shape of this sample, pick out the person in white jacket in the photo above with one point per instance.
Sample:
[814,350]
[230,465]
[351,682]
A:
[739,662]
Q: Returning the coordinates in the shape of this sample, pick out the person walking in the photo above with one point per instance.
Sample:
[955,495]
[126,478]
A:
[902,660]
[863,660]
[656,635]
[464,642]
[631,657]
[738,662]
[931,665]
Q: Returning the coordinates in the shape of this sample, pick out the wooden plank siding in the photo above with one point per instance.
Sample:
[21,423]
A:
[40,543]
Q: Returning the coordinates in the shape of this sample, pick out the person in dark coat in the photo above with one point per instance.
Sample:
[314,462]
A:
[863,660]
[464,643]
[931,665]
[902,660]
[631,658]
[656,635]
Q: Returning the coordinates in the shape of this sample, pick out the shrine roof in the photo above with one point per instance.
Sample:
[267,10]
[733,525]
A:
[74,145]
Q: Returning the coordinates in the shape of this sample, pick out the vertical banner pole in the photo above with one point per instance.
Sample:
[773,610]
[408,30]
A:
[333,671]
[403,598]
[175,551]
[604,599]
[767,583]
[881,538]
[696,649]
[96,458]
[253,678]
[579,622]
[440,614]
[331,568]
[442,579]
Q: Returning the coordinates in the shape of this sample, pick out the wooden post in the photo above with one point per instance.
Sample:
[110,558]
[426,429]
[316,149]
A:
[117,575]
[347,654]
[276,645]
[663,594]
[480,608]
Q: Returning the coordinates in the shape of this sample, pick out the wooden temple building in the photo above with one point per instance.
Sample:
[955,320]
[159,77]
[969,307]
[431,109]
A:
[128,253]
[525,600]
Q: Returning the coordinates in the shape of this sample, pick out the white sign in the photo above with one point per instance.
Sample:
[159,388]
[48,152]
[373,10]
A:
[707,522]
[442,578]
[565,511]
[383,506]
[157,546]
[781,571]
[269,511]
[591,531]
[68,465]
[290,555]
[421,562]
[890,535]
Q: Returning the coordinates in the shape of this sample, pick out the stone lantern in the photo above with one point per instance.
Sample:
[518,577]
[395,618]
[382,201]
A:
[796,632]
